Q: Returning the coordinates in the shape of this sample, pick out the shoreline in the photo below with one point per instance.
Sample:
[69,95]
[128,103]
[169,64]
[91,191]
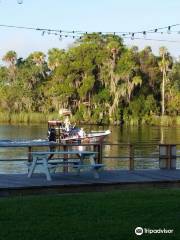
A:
[42,118]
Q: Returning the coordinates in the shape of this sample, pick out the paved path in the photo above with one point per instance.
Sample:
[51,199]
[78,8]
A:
[69,182]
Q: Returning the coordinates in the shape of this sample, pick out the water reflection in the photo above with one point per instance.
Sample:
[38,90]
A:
[145,141]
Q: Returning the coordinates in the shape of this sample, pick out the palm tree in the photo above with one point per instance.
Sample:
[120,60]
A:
[164,67]
[38,58]
[55,57]
[10,57]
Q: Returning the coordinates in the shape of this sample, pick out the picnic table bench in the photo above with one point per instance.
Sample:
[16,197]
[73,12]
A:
[41,158]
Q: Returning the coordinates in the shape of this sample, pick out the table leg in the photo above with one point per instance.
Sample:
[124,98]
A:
[46,169]
[32,167]
[94,169]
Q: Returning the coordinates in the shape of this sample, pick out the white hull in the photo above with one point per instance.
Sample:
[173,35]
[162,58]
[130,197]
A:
[89,137]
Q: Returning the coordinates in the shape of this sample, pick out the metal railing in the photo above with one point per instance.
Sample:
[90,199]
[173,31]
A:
[113,155]
[148,155]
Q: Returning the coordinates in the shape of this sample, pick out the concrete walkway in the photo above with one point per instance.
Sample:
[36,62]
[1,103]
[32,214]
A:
[20,184]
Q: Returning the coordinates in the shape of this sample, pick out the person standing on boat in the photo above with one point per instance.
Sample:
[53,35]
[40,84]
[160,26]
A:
[52,135]
[67,124]
[52,138]
[81,133]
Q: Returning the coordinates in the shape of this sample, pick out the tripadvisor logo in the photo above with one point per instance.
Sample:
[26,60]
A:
[139,231]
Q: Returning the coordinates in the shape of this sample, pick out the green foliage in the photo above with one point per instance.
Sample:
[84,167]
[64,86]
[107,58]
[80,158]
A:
[173,104]
[55,58]
[102,96]
[10,57]
[87,85]
[82,114]
[98,77]
[28,118]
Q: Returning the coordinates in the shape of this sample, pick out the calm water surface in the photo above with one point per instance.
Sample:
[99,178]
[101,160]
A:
[145,140]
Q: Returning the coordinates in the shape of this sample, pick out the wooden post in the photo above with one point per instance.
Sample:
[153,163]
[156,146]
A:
[97,147]
[163,156]
[65,148]
[131,157]
[172,156]
[168,163]
[166,156]
[99,153]
[95,150]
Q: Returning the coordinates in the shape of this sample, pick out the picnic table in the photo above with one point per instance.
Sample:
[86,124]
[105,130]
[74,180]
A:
[42,159]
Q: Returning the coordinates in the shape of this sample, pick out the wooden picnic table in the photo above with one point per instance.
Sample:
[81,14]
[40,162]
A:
[41,158]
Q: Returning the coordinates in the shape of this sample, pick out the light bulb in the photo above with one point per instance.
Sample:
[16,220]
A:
[19,1]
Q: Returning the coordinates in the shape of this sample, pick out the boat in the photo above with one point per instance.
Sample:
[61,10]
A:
[64,132]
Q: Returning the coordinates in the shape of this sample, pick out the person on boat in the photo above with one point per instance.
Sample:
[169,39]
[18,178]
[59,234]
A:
[81,133]
[67,124]
[52,135]
[52,138]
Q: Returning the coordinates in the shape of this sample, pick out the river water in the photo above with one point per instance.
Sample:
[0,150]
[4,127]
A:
[145,140]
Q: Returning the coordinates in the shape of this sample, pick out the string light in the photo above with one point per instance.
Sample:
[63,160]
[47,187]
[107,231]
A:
[155,40]
[169,30]
[79,34]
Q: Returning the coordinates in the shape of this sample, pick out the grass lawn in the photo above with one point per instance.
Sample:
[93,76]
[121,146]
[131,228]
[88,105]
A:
[95,216]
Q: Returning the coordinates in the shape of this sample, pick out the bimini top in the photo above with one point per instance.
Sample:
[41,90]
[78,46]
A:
[55,123]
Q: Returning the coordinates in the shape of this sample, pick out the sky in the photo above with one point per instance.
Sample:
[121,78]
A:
[90,16]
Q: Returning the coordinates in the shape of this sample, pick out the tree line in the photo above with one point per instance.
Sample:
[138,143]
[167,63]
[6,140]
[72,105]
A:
[99,78]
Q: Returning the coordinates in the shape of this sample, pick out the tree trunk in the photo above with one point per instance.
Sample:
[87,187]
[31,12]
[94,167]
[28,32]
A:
[163,92]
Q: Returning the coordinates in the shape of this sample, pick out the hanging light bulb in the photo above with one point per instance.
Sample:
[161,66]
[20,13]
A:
[19,1]
[144,34]
[132,36]
[169,30]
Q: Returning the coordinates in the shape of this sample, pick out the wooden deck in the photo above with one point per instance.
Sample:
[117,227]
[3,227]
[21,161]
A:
[20,184]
